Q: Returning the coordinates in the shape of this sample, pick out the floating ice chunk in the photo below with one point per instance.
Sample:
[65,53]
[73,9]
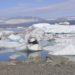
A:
[7,44]
[14,37]
[35,47]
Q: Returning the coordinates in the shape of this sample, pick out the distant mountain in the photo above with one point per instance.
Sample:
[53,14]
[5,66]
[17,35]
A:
[28,21]
[20,21]
[70,19]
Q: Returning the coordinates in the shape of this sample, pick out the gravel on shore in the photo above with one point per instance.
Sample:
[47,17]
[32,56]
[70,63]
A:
[54,65]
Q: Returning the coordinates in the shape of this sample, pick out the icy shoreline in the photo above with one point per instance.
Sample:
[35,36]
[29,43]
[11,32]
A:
[56,39]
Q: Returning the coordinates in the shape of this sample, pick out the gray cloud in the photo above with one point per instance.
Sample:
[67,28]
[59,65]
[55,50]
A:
[66,6]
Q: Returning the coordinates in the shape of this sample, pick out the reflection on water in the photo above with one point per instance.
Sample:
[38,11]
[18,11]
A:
[23,57]
[6,54]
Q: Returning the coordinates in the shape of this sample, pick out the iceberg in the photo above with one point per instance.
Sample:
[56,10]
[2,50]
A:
[17,38]
[56,28]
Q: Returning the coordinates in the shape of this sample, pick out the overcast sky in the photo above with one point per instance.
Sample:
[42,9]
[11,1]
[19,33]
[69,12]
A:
[37,8]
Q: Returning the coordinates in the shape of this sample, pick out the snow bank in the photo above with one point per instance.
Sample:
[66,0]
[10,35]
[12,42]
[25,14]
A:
[69,50]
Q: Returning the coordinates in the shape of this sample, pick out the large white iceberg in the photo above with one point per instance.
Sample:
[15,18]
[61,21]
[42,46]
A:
[56,28]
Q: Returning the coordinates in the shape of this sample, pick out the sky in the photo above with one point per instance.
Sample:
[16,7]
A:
[37,8]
